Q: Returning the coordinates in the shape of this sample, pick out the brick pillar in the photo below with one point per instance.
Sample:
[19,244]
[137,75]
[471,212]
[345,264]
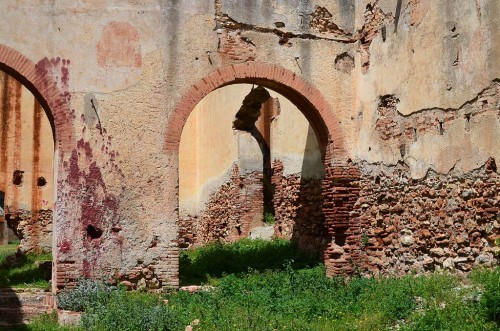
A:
[341,190]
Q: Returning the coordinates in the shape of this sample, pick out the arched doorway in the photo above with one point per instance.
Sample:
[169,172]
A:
[37,79]
[340,186]
[26,167]
[250,166]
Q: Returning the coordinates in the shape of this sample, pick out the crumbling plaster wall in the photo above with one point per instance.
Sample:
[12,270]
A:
[122,67]
[437,61]
[427,113]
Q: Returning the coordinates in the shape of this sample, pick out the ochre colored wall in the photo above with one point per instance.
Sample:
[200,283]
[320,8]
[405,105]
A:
[209,146]
[27,147]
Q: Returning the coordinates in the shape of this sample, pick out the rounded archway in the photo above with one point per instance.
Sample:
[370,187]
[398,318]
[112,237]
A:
[340,185]
[38,80]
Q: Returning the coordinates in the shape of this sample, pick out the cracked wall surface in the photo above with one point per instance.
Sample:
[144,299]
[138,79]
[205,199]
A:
[120,78]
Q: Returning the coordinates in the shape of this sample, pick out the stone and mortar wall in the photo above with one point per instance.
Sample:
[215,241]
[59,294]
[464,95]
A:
[440,222]
[298,204]
[230,212]
[121,95]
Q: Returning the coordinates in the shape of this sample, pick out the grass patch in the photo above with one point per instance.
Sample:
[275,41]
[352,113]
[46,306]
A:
[5,251]
[217,259]
[31,270]
[277,294]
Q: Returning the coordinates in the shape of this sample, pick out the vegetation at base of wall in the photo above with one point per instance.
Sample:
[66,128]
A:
[217,259]
[18,271]
[292,298]
[87,292]
[5,251]
[307,300]
[269,218]
[45,322]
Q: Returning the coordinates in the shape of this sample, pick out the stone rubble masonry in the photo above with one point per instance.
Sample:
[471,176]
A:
[35,231]
[230,213]
[443,221]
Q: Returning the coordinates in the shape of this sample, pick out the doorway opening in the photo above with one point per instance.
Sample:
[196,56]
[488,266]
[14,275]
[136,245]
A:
[26,168]
[250,165]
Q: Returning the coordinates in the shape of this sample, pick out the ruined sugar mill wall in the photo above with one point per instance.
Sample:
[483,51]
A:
[402,97]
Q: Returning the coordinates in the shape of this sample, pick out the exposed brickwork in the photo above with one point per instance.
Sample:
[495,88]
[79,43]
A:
[19,306]
[374,22]
[322,21]
[295,88]
[438,222]
[235,48]
[298,209]
[340,186]
[340,193]
[229,214]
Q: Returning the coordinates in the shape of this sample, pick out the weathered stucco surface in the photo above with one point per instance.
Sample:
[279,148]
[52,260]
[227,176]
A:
[408,88]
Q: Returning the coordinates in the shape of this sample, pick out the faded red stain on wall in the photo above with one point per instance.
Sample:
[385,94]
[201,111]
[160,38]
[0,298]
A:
[119,46]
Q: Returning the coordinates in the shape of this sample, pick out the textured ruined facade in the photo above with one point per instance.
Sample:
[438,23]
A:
[402,95]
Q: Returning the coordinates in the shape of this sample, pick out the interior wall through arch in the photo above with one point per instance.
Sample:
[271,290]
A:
[222,171]
[26,167]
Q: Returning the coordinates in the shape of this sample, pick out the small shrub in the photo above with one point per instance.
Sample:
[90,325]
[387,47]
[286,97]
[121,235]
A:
[269,218]
[87,293]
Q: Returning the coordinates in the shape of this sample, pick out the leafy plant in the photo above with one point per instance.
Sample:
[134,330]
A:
[269,218]
[87,293]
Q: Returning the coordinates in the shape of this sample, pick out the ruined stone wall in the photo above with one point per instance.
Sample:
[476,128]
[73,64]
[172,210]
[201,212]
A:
[440,222]
[229,214]
[298,203]
[120,81]
[428,121]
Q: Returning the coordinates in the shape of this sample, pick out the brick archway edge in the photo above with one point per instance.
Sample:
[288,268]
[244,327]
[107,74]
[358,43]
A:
[45,91]
[295,88]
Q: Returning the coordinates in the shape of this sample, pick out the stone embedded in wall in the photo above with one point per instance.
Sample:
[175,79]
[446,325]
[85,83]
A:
[443,221]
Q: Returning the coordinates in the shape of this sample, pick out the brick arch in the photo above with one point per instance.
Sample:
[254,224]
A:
[340,186]
[300,92]
[45,91]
